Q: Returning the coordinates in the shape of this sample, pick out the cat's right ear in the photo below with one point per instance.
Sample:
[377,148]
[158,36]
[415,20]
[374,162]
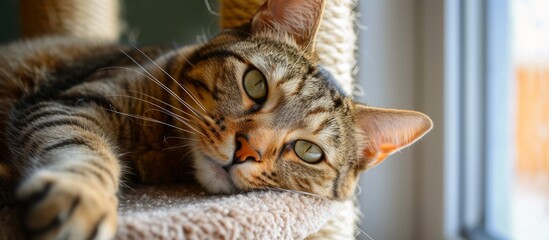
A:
[385,131]
[298,19]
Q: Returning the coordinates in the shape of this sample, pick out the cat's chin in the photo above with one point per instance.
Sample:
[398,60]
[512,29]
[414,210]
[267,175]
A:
[212,176]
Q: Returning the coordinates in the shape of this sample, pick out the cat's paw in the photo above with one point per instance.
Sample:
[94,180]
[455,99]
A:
[57,205]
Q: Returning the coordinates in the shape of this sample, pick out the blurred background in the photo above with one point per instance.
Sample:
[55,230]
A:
[147,22]
[480,69]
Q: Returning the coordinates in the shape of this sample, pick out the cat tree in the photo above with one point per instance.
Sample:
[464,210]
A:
[175,212]
[97,19]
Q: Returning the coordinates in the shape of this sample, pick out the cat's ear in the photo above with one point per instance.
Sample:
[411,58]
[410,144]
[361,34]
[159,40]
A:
[385,131]
[298,19]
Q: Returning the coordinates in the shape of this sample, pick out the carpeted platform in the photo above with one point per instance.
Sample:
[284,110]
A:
[174,212]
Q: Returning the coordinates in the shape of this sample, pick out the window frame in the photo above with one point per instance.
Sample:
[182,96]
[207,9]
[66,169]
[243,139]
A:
[485,141]
[454,189]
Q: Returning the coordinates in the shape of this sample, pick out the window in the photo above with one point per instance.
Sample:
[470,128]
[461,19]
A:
[485,120]
[530,69]
[483,171]
[503,119]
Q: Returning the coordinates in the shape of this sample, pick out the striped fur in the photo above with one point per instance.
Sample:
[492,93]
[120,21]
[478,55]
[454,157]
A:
[75,114]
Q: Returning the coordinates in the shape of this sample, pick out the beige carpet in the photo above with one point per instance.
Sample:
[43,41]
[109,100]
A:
[172,212]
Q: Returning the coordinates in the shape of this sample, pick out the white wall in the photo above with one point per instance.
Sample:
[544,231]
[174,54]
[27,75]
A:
[401,60]
[387,61]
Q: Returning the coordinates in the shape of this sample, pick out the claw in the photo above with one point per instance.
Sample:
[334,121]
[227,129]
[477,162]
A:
[30,201]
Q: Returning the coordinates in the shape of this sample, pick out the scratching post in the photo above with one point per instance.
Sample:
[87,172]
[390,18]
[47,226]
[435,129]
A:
[337,40]
[336,46]
[96,19]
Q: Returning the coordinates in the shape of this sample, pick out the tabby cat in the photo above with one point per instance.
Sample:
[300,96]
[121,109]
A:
[250,109]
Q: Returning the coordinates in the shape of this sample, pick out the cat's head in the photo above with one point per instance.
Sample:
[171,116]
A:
[275,118]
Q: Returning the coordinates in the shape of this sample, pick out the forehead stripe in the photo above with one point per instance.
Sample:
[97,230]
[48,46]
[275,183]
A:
[323,125]
[318,110]
[300,85]
[285,80]
[218,54]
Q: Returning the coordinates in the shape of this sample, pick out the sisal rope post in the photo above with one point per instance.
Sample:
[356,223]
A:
[95,19]
[336,48]
[336,42]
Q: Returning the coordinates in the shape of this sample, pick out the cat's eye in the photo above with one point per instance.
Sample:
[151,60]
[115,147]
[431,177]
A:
[255,85]
[308,151]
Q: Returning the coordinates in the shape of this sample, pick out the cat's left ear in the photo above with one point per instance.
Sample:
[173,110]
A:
[385,131]
[298,19]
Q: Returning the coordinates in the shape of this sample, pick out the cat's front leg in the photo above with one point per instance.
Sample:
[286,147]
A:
[63,204]
[72,174]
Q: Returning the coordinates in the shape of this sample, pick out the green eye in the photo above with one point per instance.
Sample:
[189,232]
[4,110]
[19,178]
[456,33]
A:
[308,151]
[255,85]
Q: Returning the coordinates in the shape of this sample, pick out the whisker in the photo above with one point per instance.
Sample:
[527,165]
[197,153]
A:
[269,25]
[176,147]
[209,7]
[166,111]
[301,55]
[186,59]
[361,231]
[147,119]
[147,95]
[124,68]
[149,102]
[180,119]
[358,190]
[179,138]
[165,103]
[126,186]
[192,151]
[160,84]
[173,79]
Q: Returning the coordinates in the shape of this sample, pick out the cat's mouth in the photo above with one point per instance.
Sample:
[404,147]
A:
[222,171]
[214,177]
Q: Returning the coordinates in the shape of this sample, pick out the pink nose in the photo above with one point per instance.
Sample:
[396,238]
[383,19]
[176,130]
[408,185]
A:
[245,151]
